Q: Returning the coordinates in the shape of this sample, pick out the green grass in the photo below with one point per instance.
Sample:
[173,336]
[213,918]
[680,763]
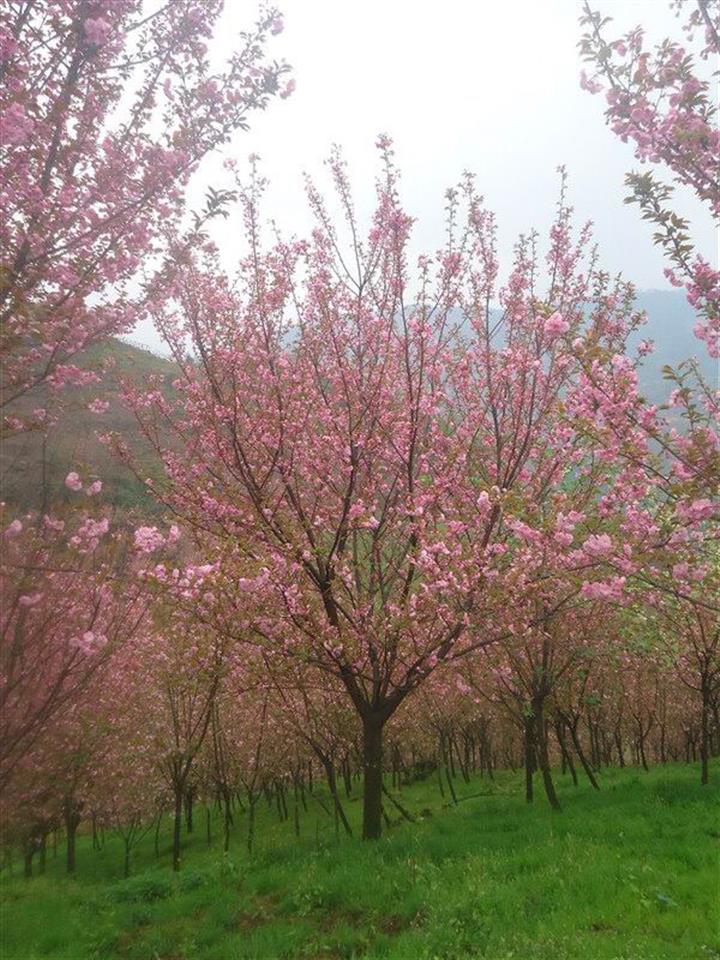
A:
[630,873]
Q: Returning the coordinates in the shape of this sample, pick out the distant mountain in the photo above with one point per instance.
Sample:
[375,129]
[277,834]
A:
[669,326]
[32,472]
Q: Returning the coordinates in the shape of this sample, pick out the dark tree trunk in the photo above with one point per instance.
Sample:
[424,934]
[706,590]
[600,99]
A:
[446,751]
[296,808]
[704,733]
[177,827]
[581,756]
[157,833]
[227,820]
[641,749]
[339,813]
[189,797]
[372,772]
[28,855]
[529,757]
[71,814]
[251,824]
[542,753]
[619,746]
[567,759]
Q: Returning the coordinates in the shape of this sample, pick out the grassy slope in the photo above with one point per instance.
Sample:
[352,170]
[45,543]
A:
[628,873]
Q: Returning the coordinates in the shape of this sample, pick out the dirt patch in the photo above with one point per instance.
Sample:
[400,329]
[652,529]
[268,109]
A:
[395,924]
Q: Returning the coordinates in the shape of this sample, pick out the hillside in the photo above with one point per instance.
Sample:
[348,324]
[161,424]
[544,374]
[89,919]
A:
[32,473]
[32,470]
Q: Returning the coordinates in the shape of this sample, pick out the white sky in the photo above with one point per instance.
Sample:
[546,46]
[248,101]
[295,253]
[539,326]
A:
[490,86]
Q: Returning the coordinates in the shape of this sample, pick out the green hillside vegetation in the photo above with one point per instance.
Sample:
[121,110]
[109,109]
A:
[32,470]
[629,873]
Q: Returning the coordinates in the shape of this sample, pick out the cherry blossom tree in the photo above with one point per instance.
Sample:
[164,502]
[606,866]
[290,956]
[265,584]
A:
[663,101]
[107,107]
[68,604]
[374,462]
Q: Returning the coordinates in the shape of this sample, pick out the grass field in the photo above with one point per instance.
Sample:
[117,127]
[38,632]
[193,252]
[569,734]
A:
[631,873]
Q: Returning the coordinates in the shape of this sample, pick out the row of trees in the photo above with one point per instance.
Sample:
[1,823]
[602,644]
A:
[415,514]
[182,723]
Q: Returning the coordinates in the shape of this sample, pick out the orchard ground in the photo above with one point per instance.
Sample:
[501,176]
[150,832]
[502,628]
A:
[629,873]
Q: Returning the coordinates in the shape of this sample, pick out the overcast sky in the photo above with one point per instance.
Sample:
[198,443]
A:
[489,86]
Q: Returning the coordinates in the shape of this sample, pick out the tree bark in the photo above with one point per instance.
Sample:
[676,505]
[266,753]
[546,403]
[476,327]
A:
[177,826]
[157,833]
[529,758]
[542,752]
[372,772]
[567,759]
[581,755]
[189,797]
[704,733]
[71,814]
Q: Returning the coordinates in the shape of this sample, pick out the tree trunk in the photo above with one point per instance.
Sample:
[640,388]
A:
[227,820]
[567,759]
[619,745]
[28,855]
[157,833]
[581,755]
[529,758]
[189,797]
[251,825]
[372,772]
[641,748]
[296,808]
[704,733]
[542,752]
[72,820]
[339,813]
[177,827]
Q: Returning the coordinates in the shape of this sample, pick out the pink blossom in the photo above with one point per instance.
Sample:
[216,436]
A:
[148,539]
[287,90]
[95,487]
[16,125]
[556,325]
[598,545]
[97,31]
[73,481]
[14,529]
[30,599]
